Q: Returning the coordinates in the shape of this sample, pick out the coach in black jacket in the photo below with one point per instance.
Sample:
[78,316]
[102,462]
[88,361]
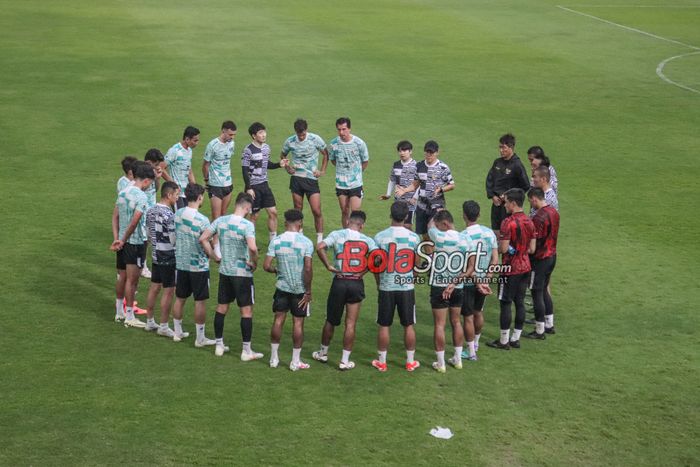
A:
[506,172]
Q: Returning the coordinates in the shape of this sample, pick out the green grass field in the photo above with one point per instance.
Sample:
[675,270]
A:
[85,83]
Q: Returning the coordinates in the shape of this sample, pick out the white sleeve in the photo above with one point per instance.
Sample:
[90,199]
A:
[390,188]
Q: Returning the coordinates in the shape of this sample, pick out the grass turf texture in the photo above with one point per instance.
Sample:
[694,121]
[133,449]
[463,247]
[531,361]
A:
[85,84]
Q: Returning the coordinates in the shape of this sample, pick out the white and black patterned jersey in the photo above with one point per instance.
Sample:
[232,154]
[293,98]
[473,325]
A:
[403,174]
[160,223]
[256,161]
[431,177]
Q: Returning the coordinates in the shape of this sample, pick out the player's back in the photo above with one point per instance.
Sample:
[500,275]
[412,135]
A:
[234,232]
[401,239]
[289,250]
[189,225]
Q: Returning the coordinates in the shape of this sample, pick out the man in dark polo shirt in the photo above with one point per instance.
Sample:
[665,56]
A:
[516,241]
[546,221]
[506,172]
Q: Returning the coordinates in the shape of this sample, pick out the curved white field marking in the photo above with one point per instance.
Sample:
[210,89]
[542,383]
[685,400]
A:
[660,66]
[660,72]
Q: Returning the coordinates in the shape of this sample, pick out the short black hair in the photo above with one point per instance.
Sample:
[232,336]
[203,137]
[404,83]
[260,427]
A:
[535,193]
[540,155]
[399,211]
[508,139]
[300,125]
[153,155]
[343,120]
[293,215]
[255,127]
[536,151]
[443,216]
[167,188]
[431,147]
[358,217]
[244,197]
[229,125]
[543,172]
[127,162]
[404,145]
[190,132]
[143,170]
[193,191]
[515,195]
[471,210]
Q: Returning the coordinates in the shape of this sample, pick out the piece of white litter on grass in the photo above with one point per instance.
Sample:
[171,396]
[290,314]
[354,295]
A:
[442,433]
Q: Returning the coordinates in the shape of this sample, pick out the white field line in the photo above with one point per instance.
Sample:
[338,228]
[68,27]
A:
[636,6]
[660,72]
[662,64]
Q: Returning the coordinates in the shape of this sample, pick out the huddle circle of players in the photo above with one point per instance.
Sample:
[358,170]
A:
[460,266]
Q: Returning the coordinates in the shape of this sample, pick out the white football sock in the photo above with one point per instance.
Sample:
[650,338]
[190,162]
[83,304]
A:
[219,341]
[410,355]
[440,358]
[296,354]
[177,324]
[129,313]
[164,326]
[200,332]
[476,339]
[273,351]
[549,321]
[246,347]
[504,336]
[472,348]
[539,327]
[324,349]
[382,356]
[516,335]
[346,356]
[458,353]
[119,306]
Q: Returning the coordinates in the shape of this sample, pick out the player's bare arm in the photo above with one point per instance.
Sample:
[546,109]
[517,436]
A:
[205,240]
[253,252]
[117,244]
[308,278]
[321,252]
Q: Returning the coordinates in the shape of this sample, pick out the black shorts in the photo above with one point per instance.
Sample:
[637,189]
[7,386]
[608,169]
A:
[181,202]
[220,192]
[285,301]
[436,300]
[343,291]
[121,265]
[133,254]
[163,274]
[303,186]
[236,288]
[403,301]
[195,283]
[541,272]
[473,301]
[263,197]
[513,287]
[422,219]
[356,192]
[498,213]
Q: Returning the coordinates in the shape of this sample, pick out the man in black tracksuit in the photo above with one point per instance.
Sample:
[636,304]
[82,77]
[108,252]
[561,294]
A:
[506,172]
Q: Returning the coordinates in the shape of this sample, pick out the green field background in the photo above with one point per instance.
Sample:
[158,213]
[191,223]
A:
[85,83]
